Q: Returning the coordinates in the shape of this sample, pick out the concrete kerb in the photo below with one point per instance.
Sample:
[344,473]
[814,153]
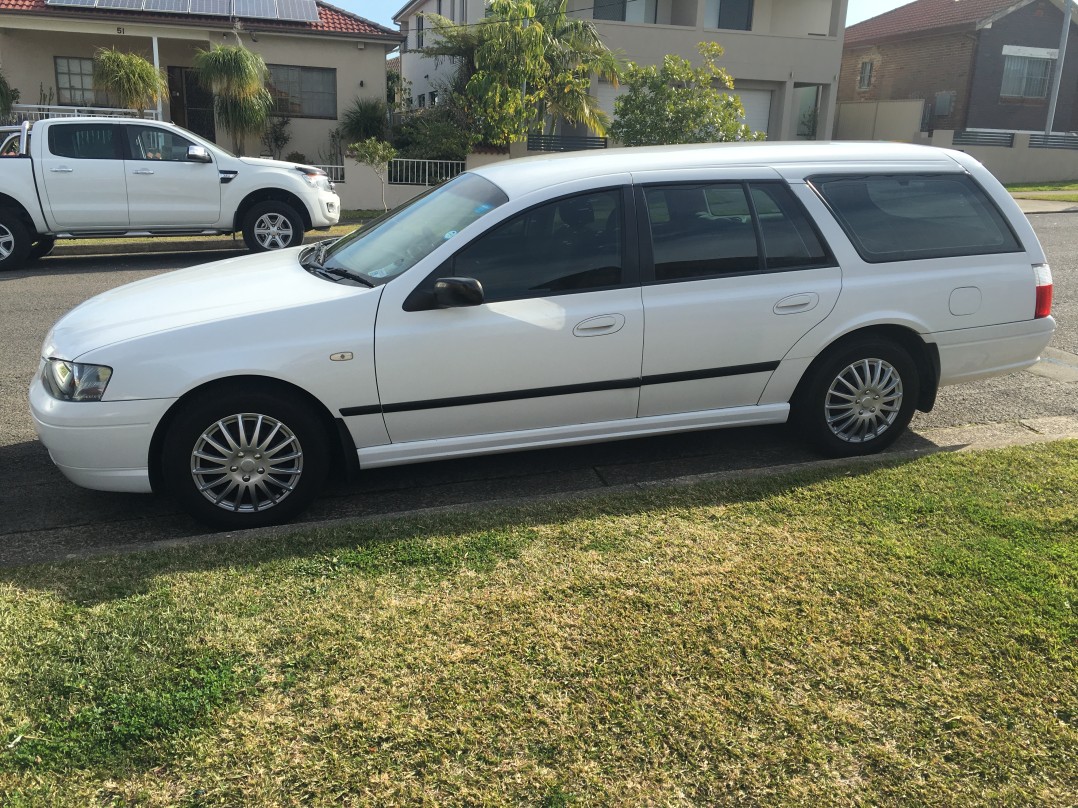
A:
[976,437]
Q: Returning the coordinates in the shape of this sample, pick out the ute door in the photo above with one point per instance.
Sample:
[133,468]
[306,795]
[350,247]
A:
[734,274]
[84,176]
[556,341]
[164,186]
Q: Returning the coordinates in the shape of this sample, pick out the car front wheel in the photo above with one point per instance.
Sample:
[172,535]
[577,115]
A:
[272,226]
[859,399]
[14,240]
[242,460]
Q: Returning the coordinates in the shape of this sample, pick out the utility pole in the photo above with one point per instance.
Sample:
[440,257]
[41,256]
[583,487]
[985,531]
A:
[1057,74]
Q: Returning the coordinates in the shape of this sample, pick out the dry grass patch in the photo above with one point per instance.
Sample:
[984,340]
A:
[899,636]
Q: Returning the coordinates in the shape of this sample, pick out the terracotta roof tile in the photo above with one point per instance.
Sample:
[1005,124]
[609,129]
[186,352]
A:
[924,15]
[331,20]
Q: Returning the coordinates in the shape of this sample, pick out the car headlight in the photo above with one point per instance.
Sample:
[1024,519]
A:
[317,178]
[75,381]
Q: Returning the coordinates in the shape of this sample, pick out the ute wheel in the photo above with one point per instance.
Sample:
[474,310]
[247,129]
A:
[858,399]
[14,240]
[245,459]
[42,247]
[272,226]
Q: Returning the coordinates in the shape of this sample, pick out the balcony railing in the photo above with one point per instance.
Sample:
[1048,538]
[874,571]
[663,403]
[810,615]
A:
[562,143]
[39,112]
[404,171]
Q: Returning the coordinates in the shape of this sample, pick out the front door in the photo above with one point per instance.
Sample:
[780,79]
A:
[191,104]
[557,341]
[164,188]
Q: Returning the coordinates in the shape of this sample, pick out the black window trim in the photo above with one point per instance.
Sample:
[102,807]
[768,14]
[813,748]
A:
[420,298]
[647,253]
[871,258]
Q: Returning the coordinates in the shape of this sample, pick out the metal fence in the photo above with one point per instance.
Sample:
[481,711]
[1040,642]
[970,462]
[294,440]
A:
[968,138]
[1043,141]
[403,171]
[336,173]
[562,143]
[39,112]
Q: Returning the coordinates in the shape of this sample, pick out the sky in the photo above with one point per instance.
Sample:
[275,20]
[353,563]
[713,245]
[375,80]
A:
[381,11]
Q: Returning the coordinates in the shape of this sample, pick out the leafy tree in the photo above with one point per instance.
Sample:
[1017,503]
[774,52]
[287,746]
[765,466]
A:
[526,64]
[377,154]
[677,103]
[236,77]
[276,136]
[436,133]
[365,118]
[9,96]
[128,78]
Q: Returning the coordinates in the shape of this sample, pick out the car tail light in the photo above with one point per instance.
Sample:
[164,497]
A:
[1042,274]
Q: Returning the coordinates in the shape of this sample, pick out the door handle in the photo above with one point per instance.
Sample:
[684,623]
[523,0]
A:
[598,326]
[142,171]
[61,170]
[805,301]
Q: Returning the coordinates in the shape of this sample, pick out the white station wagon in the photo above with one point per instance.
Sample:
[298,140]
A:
[553,301]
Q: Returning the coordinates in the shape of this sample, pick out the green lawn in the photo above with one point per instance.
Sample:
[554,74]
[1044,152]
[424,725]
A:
[1066,185]
[897,635]
[1049,197]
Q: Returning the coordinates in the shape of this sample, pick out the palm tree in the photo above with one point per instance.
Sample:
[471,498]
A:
[236,77]
[129,78]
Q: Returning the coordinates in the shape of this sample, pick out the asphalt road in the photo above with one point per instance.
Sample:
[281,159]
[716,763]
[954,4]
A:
[46,517]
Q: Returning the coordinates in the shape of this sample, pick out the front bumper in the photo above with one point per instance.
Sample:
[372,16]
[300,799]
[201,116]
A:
[327,210]
[103,445]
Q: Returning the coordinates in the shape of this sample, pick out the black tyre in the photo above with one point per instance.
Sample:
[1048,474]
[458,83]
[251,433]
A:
[272,226]
[858,399]
[14,240]
[245,459]
[42,247]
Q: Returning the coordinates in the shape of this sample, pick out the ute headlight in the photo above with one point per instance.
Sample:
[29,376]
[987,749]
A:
[75,381]
[316,178]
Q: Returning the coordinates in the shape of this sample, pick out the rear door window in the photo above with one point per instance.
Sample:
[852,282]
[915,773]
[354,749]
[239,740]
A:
[84,141]
[909,217]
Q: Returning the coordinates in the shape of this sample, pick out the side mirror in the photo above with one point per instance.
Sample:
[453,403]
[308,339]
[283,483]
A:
[198,154]
[452,293]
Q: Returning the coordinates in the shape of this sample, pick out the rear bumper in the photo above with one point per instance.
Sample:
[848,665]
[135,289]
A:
[977,353]
[103,445]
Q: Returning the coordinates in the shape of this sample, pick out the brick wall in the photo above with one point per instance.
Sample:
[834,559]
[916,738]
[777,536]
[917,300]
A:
[913,68]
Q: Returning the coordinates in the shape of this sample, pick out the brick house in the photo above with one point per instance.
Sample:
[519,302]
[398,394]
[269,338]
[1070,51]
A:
[978,64]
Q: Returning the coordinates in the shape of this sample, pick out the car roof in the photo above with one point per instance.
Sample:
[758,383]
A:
[519,177]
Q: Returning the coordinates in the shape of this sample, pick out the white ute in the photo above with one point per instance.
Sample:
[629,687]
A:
[95,177]
[552,301]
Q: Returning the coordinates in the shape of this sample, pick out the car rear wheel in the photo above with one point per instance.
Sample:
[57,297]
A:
[14,240]
[858,399]
[243,460]
[272,226]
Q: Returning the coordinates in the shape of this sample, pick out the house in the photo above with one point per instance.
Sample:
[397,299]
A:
[784,55]
[977,64]
[320,57]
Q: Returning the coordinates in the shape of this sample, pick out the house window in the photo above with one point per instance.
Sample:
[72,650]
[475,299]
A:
[419,31]
[609,10]
[75,83]
[303,92]
[865,79]
[433,97]
[422,98]
[735,15]
[1025,77]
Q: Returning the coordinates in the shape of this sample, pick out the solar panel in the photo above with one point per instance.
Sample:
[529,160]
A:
[80,3]
[127,5]
[222,8]
[256,9]
[302,10]
[171,6]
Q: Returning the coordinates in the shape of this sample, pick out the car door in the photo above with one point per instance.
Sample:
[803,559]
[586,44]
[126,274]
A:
[164,188]
[734,273]
[556,342]
[84,176]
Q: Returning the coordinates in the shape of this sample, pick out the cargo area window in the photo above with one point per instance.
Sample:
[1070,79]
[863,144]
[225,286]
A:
[911,217]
